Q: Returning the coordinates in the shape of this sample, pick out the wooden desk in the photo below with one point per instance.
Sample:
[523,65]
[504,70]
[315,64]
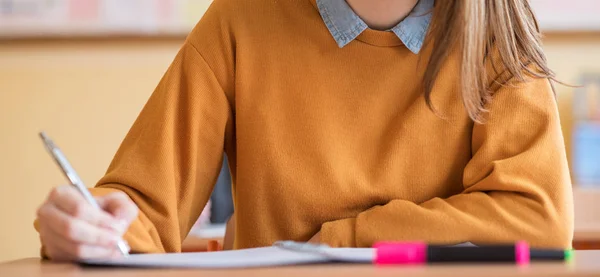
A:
[587,237]
[587,263]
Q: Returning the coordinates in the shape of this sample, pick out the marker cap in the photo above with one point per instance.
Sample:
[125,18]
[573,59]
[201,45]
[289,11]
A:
[400,253]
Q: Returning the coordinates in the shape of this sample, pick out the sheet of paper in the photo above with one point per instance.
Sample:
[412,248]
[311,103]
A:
[351,255]
[255,257]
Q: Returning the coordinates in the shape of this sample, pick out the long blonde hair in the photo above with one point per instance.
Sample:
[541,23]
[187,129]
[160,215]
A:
[478,27]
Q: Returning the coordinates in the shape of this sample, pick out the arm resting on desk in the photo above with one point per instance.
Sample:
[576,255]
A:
[516,186]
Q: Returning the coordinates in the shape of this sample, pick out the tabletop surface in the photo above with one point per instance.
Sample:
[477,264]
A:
[586,263]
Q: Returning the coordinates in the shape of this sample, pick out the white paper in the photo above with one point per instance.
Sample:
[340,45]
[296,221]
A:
[255,257]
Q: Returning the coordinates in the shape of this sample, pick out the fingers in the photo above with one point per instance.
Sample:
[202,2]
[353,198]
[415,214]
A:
[75,229]
[61,249]
[70,201]
[120,206]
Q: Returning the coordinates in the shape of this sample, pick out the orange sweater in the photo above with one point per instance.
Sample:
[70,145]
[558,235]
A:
[336,140]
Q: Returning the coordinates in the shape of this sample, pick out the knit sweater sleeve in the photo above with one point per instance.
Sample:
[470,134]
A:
[171,158]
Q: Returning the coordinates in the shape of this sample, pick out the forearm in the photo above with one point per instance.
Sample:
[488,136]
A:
[476,217]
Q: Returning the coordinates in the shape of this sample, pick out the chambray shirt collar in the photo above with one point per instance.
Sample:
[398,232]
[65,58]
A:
[345,25]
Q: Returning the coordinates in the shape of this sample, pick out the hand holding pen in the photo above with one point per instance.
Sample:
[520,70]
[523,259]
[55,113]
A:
[74,225]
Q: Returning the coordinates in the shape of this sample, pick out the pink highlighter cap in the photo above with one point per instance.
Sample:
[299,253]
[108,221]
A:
[400,253]
[522,255]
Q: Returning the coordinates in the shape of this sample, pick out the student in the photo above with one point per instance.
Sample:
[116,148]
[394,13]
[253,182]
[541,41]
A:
[345,122]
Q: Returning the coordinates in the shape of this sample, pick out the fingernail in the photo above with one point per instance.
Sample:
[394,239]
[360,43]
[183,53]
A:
[108,240]
[120,226]
[114,240]
[112,226]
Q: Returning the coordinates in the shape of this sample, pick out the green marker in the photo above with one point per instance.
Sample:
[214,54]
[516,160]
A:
[569,255]
[538,254]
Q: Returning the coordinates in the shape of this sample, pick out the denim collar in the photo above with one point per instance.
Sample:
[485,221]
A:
[345,25]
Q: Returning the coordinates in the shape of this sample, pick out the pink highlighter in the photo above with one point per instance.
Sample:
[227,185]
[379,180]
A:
[395,253]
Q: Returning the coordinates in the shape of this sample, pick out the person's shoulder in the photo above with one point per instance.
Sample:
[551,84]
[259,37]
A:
[238,19]
[229,7]
[249,9]
[221,19]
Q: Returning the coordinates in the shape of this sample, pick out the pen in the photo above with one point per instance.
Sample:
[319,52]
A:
[73,177]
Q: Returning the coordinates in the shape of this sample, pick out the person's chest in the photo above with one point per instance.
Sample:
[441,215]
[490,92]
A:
[314,122]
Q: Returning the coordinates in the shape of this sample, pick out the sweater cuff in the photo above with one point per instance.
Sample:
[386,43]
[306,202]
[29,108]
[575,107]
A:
[36,226]
[339,233]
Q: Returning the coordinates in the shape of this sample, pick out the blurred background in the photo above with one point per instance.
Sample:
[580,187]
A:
[82,70]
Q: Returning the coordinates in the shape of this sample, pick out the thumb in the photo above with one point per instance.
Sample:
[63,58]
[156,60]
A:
[120,206]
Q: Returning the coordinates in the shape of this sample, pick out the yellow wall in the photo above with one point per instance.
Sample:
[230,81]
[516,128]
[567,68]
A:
[87,94]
